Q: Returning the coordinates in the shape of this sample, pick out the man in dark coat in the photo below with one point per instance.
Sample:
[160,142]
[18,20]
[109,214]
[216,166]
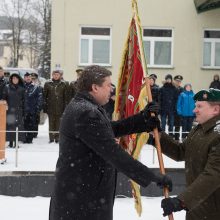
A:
[89,154]
[109,107]
[3,82]
[154,87]
[14,95]
[167,99]
[33,102]
[177,118]
[215,84]
[55,95]
[201,153]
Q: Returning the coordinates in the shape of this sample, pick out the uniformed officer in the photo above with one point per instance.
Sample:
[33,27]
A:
[201,153]
[73,84]
[55,100]
[177,118]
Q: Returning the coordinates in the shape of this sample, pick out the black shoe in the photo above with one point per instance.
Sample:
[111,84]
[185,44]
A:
[10,144]
[51,141]
[57,141]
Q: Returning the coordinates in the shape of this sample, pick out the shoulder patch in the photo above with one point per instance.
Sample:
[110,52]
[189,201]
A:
[217,127]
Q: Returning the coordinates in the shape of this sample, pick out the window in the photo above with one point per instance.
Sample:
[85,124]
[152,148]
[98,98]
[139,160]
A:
[158,44]
[95,46]
[211,49]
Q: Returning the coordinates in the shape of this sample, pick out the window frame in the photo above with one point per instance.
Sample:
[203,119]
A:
[212,41]
[90,38]
[152,40]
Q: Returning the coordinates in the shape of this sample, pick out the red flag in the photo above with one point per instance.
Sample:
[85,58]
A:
[129,84]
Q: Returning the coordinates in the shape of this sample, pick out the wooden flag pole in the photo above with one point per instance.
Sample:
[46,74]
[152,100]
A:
[144,66]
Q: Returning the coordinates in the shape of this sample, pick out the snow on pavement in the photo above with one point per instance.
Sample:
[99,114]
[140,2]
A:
[37,208]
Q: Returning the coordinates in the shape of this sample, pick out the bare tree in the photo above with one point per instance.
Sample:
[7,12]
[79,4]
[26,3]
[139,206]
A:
[43,8]
[17,14]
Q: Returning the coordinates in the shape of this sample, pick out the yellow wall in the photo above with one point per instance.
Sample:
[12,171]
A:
[188,26]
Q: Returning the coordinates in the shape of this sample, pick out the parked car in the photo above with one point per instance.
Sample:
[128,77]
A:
[21,71]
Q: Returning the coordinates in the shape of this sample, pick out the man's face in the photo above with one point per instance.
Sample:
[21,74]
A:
[56,76]
[28,79]
[102,93]
[151,81]
[177,82]
[1,73]
[204,111]
[15,80]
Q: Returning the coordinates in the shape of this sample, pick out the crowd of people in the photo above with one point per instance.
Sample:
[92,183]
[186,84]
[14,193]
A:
[26,98]
[176,104]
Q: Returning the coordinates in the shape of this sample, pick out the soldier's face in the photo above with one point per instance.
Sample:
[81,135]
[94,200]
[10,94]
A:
[204,111]
[56,76]
[102,93]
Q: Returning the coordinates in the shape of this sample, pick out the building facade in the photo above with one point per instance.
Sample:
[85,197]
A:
[177,39]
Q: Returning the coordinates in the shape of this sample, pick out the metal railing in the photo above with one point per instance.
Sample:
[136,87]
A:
[56,132]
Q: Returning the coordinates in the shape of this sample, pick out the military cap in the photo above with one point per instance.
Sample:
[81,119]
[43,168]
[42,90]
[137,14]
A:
[153,76]
[178,78]
[57,71]
[27,74]
[211,95]
[79,70]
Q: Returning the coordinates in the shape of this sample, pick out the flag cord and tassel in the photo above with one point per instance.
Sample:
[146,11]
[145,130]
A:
[144,66]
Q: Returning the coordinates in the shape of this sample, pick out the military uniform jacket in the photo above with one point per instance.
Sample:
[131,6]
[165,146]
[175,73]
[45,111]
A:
[201,153]
[55,97]
[88,159]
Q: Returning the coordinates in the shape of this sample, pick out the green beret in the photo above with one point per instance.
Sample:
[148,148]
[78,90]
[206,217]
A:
[211,95]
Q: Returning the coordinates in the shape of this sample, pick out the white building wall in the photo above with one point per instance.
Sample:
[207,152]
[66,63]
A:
[188,26]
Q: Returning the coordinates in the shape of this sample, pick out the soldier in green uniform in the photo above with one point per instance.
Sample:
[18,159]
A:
[201,153]
[55,100]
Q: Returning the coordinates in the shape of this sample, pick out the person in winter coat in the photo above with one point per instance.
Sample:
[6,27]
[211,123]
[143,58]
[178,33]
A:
[177,118]
[215,84]
[201,153]
[185,107]
[154,87]
[109,107]
[3,82]
[85,177]
[55,95]
[73,85]
[33,102]
[167,99]
[14,95]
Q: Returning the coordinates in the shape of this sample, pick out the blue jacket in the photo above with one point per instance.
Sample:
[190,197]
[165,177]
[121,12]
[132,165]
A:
[33,99]
[186,103]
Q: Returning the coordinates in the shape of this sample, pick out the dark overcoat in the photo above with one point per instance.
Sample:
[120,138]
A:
[88,159]
[14,96]
[168,95]
[33,101]
[201,153]
[3,83]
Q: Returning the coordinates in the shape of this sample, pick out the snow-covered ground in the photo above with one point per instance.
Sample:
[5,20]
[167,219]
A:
[37,208]
[42,156]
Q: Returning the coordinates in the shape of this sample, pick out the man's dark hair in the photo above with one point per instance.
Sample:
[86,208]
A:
[92,75]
